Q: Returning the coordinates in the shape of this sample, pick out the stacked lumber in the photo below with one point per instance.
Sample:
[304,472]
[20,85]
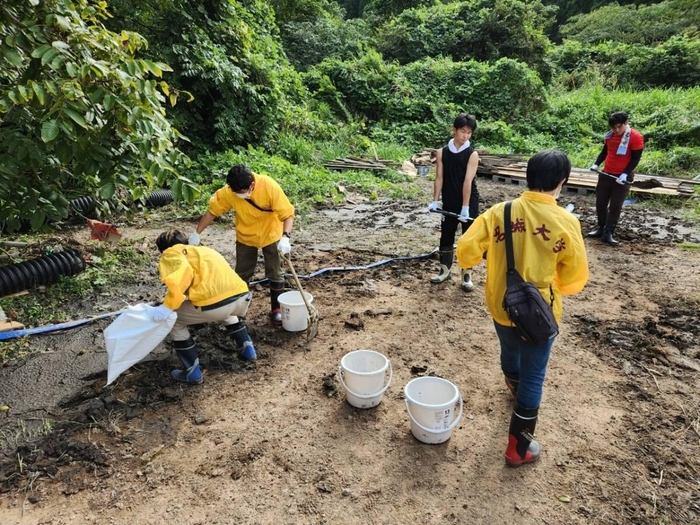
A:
[358,163]
[424,158]
[513,167]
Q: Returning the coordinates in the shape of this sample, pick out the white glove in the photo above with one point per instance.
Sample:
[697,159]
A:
[283,246]
[433,206]
[194,239]
[594,167]
[622,179]
[160,313]
[464,214]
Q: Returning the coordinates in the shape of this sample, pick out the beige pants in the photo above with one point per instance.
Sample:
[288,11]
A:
[189,314]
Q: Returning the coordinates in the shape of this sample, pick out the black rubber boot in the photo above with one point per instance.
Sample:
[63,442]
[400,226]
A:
[187,353]
[608,235]
[239,333]
[512,382]
[447,255]
[522,448]
[597,232]
[276,289]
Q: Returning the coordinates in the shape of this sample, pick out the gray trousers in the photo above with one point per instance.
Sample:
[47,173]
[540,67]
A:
[247,258]
[189,314]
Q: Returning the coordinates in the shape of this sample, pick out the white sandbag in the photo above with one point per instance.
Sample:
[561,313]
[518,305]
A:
[132,336]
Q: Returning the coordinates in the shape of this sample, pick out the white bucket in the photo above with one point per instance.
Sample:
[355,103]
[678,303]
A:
[295,315]
[364,372]
[430,402]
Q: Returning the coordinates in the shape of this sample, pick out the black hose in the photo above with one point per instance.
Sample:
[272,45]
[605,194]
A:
[159,198]
[39,272]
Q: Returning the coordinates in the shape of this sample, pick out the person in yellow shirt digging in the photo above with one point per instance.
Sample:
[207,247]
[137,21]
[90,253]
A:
[202,288]
[264,220]
[549,252]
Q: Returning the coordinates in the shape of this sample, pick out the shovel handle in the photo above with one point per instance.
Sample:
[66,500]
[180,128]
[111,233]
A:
[600,172]
[301,290]
[450,214]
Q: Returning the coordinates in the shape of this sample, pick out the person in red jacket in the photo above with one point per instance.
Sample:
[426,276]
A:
[622,149]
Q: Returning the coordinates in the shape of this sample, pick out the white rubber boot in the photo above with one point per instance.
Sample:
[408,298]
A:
[441,277]
[467,284]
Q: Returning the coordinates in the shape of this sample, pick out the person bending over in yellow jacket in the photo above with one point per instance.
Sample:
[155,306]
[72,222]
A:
[264,220]
[202,288]
[549,252]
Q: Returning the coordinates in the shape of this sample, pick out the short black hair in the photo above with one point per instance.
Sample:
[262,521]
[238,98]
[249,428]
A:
[619,117]
[239,177]
[170,238]
[463,120]
[547,169]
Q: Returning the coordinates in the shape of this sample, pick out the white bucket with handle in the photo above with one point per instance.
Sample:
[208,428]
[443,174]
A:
[431,403]
[295,315]
[362,374]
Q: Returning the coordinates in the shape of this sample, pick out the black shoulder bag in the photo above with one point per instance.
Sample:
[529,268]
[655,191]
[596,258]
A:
[523,302]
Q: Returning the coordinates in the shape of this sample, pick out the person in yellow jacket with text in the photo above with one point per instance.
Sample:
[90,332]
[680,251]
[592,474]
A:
[202,288]
[264,220]
[550,253]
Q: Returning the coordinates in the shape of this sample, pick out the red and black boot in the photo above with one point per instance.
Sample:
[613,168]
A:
[522,448]
[276,289]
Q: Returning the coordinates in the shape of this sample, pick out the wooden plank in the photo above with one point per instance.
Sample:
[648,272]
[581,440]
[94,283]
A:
[10,325]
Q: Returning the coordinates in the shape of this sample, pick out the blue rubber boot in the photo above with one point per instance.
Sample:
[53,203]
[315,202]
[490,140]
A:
[244,345]
[187,353]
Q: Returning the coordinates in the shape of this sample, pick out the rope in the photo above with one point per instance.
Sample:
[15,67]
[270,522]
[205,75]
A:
[13,334]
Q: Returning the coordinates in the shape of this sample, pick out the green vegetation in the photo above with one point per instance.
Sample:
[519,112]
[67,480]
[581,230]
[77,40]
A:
[81,115]
[88,104]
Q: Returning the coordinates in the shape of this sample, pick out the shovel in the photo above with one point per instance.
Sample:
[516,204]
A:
[312,326]
[647,184]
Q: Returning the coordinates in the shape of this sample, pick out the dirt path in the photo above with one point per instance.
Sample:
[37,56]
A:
[276,443]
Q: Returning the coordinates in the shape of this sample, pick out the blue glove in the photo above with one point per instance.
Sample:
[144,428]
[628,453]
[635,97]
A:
[433,205]
[160,313]
[464,214]
[594,167]
[622,179]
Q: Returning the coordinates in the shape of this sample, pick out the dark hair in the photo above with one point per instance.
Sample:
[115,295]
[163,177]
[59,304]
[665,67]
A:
[239,177]
[619,117]
[463,120]
[170,238]
[547,169]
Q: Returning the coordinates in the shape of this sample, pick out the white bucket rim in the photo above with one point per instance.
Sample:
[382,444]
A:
[376,372]
[451,402]
[284,302]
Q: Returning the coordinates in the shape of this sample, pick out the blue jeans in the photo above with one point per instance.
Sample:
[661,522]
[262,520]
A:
[527,361]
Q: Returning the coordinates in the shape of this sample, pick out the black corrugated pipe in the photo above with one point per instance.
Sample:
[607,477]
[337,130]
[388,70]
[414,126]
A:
[159,198]
[82,205]
[24,226]
[42,271]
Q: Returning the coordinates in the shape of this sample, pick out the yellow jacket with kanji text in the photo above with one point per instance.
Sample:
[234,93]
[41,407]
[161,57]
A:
[548,250]
[255,227]
[198,273]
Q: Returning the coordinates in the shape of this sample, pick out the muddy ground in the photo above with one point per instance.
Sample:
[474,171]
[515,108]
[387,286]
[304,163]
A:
[275,442]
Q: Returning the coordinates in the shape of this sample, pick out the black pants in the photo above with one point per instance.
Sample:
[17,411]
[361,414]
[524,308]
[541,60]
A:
[449,224]
[609,198]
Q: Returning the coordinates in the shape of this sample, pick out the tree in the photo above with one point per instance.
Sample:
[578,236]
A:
[226,53]
[627,24]
[80,115]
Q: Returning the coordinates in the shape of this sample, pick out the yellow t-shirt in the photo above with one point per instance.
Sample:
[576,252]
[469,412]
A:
[547,245]
[255,227]
[200,273]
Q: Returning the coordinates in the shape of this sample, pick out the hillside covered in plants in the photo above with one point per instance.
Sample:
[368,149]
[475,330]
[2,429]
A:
[114,99]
